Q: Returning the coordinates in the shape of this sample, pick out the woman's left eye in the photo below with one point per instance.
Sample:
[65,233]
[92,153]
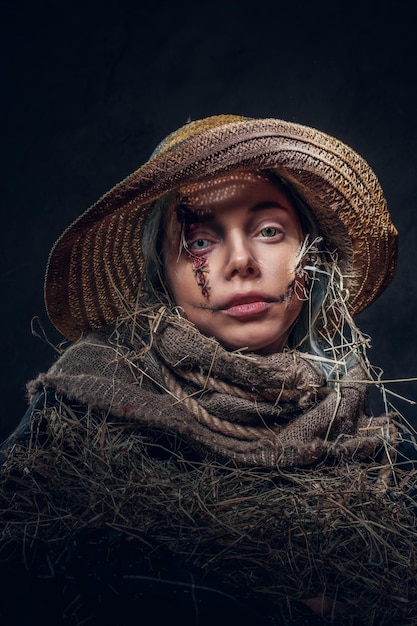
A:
[269,231]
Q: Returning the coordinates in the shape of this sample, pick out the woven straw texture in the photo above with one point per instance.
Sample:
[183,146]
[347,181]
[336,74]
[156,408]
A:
[95,270]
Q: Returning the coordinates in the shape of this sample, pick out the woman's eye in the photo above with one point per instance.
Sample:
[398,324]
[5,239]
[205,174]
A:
[269,231]
[198,244]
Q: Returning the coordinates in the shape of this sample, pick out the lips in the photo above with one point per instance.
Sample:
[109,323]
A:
[246,305]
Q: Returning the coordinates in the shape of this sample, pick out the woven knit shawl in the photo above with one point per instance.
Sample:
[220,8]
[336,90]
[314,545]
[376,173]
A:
[268,411]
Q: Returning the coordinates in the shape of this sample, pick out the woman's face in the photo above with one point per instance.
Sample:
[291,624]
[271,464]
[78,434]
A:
[230,259]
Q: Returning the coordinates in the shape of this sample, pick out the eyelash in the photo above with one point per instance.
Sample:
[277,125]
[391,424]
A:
[192,242]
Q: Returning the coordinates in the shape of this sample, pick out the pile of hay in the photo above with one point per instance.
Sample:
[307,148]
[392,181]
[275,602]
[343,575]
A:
[285,537]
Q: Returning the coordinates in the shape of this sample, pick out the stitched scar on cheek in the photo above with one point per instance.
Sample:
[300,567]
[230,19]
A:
[288,294]
[200,270]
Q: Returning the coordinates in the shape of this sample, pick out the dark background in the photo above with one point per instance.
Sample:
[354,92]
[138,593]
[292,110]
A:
[89,89]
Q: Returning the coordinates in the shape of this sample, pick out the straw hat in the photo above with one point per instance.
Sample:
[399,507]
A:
[95,268]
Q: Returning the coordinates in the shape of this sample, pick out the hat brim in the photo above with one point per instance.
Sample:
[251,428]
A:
[95,268]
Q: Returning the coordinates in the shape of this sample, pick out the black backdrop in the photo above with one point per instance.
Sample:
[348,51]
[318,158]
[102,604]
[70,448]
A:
[90,88]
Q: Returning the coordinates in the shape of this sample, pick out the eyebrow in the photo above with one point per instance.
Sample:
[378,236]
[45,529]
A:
[187,215]
[267,204]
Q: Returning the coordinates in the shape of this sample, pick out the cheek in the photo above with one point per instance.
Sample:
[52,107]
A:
[200,270]
[281,265]
[181,282]
[175,278]
[184,274]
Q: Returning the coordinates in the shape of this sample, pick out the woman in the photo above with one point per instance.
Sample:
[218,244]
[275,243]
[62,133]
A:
[209,421]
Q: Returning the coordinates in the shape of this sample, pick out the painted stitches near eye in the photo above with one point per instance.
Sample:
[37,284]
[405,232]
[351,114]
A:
[200,269]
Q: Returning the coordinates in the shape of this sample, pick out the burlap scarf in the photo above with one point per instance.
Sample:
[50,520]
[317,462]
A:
[268,411]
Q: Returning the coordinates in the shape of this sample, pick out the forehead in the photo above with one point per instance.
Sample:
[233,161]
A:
[250,188]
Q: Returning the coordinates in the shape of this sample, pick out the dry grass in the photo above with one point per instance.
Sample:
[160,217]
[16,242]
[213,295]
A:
[283,536]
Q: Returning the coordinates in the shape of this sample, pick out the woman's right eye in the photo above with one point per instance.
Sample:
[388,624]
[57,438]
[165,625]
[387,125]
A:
[198,244]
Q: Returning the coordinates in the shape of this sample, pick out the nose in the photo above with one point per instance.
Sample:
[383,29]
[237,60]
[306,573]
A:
[240,259]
